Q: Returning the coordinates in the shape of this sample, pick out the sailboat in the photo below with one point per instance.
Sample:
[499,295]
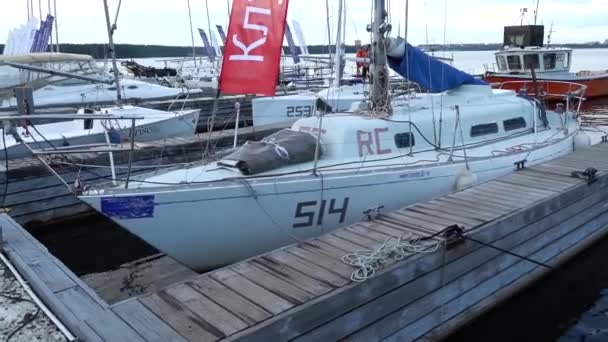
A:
[332,170]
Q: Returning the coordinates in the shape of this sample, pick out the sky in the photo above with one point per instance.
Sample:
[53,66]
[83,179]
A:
[165,22]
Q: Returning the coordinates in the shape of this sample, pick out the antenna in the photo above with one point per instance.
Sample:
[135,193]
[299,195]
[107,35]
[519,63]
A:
[536,11]
[550,34]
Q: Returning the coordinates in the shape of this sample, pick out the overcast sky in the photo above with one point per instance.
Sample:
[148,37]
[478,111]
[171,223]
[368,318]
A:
[165,22]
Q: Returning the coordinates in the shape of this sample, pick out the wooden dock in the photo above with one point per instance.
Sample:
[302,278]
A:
[540,215]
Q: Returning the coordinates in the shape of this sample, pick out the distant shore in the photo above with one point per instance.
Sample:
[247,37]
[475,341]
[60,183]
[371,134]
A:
[100,51]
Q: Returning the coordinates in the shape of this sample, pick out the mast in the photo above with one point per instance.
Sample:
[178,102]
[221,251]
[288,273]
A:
[338,56]
[536,11]
[380,100]
[56,26]
[111,29]
[192,34]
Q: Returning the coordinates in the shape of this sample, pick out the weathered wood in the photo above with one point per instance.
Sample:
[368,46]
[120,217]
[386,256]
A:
[146,323]
[344,234]
[246,310]
[484,209]
[219,321]
[449,207]
[328,262]
[292,276]
[325,276]
[178,317]
[488,287]
[274,284]
[449,215]
[253,292]
[370,234]
[490,261]
[301,319]
[108,325]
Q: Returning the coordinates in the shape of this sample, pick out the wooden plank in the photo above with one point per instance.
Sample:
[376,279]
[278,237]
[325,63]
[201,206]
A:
[540,181]
[178,317]
[318,311]
[388,227]
[486,209]
[506,292]
[356,238]
[460,208]
[483,200]
[327,277]
[319,246]
[557,178]
[247,311]
[146,323]
[372,234]
[292,276]
[490,286]
[272,283]
[466,273]
[218,320]
[409,229]
[476,202]
[330,263]
[551,169]
[253,292]
[499,197]
[450,216]
[417,220]
[108,325]
[530,193]
[443,217]
[513,191]
[343,244]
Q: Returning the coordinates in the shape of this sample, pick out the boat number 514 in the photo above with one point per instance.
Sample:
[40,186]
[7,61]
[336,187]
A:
[307,212]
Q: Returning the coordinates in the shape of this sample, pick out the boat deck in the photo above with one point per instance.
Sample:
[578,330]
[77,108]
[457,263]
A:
[541,215]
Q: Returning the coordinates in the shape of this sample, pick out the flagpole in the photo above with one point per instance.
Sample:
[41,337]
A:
[56,26]
[192,34]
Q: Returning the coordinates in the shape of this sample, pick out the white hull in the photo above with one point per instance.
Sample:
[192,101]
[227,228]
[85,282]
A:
[87,93]
[272,110]
[206,226]
[156,125]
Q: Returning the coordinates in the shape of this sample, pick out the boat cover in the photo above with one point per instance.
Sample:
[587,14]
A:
[430,73]
[282,148]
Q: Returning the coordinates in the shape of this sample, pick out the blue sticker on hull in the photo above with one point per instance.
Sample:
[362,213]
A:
[132,207]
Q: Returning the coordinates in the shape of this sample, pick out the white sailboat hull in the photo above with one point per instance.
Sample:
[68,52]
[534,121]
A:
[207,226]
[72,133]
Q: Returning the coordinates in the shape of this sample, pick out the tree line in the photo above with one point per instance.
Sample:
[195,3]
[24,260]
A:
[100,51]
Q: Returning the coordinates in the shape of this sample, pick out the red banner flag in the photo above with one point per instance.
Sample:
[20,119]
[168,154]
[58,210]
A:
[252,54]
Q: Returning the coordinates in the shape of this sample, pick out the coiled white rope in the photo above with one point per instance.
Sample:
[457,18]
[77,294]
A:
[368,261]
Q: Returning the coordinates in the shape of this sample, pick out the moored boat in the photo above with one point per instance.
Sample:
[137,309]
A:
[335,169]
[526,58]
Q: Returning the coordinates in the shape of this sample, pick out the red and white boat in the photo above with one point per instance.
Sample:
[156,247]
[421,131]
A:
[526,58]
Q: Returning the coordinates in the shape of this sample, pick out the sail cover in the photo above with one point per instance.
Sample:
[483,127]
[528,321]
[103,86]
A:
[430,73]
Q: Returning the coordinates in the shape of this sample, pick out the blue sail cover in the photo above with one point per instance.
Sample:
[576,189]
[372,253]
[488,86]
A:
[429,72]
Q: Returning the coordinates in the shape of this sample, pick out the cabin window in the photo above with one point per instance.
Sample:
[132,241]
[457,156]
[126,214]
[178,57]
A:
[502,63]
[531,61]
[514,63]
[549,60]
[513,124]
[111,88]
[484,129]
[560,61]
[403,140]
[132,87]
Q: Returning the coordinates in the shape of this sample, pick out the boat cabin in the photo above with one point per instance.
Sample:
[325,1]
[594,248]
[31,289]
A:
[514,60]
[524,50]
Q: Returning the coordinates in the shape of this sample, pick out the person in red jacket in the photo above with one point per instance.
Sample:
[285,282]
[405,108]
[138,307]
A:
[363,67]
